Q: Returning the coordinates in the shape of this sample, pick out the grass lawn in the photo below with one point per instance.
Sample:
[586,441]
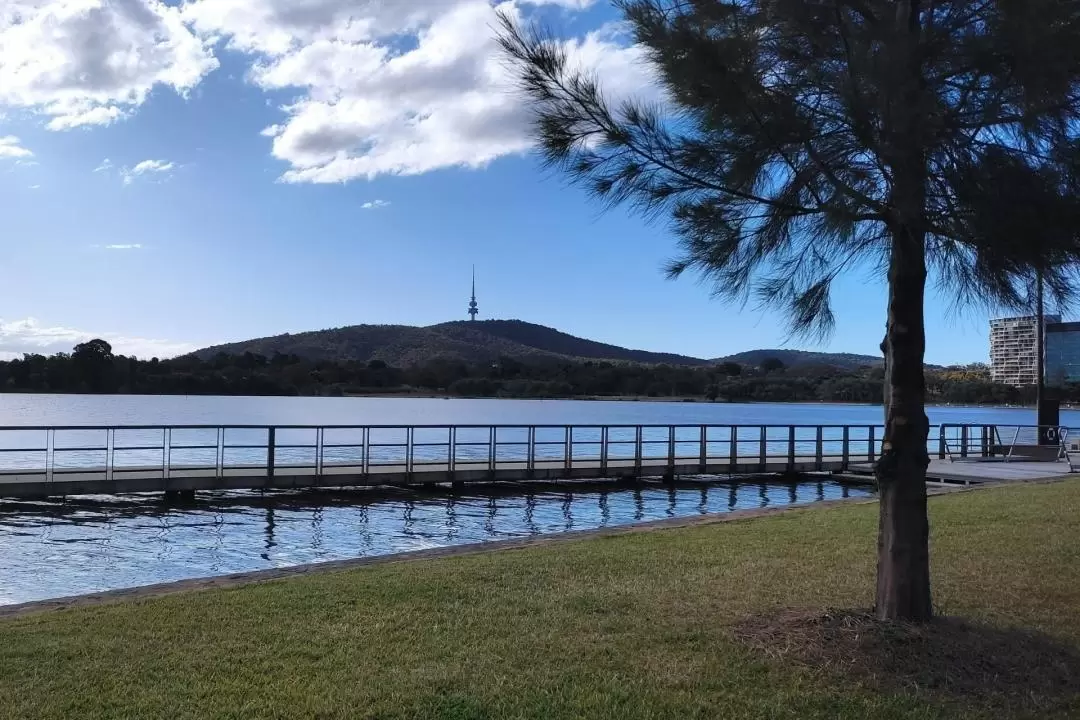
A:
[638,625]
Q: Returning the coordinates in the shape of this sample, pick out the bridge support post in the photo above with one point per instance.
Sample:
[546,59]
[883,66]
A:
[270,440]
[703,455]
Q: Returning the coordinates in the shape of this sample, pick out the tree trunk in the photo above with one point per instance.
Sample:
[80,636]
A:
[903,573]
[885,364]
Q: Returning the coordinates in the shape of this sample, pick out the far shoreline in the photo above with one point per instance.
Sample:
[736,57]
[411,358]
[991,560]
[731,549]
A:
[687,399]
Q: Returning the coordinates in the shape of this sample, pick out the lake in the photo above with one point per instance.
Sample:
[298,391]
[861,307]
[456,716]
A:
[54,549]
[196,410]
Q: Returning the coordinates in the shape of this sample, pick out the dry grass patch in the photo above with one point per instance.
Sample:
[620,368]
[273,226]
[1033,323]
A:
[972,665]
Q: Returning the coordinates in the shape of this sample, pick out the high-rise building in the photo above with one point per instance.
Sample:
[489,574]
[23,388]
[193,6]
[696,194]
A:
[1014,348]
[474,309]
[1062,353]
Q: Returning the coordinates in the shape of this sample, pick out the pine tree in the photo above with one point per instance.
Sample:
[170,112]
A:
[799,139]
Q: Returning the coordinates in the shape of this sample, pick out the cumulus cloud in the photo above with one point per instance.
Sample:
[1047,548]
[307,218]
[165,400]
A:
[30,336]
[10,147]
[375,204]
[105,166]
[92,62]
[378,86]
[368,107]
[147,167]
[131,246]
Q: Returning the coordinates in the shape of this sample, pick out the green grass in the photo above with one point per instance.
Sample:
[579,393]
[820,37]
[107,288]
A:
[637,625]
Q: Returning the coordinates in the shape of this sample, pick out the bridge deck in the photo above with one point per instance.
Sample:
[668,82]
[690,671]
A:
[98,481]
[83,460]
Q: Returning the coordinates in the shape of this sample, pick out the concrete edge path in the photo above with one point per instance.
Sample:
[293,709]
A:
[235,580]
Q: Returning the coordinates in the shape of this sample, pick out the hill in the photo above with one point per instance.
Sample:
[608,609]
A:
[803,358]
[466,341]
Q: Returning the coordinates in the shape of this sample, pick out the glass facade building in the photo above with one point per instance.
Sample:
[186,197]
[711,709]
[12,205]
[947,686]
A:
[1062,353]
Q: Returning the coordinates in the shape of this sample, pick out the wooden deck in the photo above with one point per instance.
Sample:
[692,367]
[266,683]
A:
[984,470]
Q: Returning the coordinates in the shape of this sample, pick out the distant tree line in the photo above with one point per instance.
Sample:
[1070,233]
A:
[93,368]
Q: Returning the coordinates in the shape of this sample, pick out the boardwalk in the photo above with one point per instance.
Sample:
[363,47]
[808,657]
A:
[57,461]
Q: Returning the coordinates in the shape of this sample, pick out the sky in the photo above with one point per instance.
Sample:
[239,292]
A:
[180,174]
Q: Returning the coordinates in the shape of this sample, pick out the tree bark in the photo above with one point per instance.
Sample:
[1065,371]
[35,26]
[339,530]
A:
[885,365]
[903,573]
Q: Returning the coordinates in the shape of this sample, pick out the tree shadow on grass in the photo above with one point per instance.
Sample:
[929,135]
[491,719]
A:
[948,660]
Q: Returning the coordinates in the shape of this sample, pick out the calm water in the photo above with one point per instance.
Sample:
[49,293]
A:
[179,410]
[59,549]
[56,550]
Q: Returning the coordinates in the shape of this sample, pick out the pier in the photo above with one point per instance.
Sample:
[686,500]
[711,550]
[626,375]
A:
[91,460]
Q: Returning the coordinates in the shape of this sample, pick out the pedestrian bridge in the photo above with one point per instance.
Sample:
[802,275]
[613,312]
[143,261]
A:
[92,460]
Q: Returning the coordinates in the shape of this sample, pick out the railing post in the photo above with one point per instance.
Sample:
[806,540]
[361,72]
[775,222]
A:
[819,448]
[846,450]
[671,452]
[762,449]
[791,448]
[603,449]
[493,437]
[451,450]
[50,449]
[638,440]
[670,472]
[871,449]
[365,441]
[941,443]
[733,450]
[110,449]
[219,453]
[318,452]
[408,453]
[271,437]
[166,451]
[532,450]
[568,456]
[964,439]
[703,455]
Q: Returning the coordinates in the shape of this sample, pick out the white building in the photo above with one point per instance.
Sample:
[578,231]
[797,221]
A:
[1013,349]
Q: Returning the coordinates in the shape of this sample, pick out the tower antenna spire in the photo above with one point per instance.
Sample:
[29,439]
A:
[474,309]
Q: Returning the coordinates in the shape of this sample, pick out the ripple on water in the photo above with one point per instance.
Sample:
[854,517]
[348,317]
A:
[50,550]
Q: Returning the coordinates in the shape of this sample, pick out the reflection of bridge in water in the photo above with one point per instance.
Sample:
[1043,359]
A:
[59,548]
[56,461]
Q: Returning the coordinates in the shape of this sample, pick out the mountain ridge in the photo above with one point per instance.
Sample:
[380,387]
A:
[797,358]
[480,341]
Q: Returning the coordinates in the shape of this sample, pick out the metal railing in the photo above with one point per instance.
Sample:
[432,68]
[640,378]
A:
[1004,442]
[117,451]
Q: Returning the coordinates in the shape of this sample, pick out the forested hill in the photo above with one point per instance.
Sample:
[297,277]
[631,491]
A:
[469,342]
[803,358]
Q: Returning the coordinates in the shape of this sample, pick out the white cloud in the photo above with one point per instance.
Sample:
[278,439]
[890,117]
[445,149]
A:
[147,167]
[369,108]
[29,336]
[375,204]
[132,246]
[105,166]
[92,62]
[10,147]
[35,187]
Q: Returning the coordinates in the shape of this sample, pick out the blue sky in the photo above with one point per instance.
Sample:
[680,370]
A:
[177,175]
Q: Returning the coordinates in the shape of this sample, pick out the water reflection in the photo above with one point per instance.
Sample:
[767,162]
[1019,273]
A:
[57,549]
